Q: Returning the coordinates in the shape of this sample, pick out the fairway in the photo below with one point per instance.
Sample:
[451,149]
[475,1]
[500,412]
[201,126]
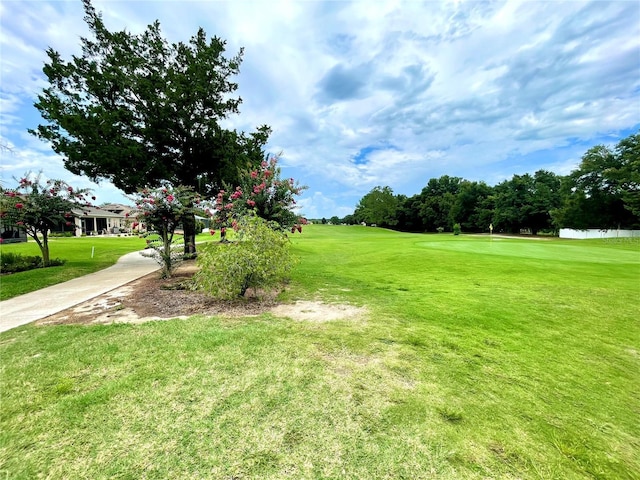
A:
[593,251]
[475,360]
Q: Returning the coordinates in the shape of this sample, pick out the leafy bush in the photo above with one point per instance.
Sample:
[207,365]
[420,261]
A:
[440,229]
[456,229]
[15,262]
[259,259]
[62,234]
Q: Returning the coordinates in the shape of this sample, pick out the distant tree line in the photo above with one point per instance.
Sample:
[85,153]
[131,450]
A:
[603,192]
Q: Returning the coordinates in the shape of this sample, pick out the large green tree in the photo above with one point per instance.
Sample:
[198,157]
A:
[513,203]
[473,208]
[546,196]
[438,198]
[140,111]
[378,207]
[408,214]
[627,172]
[603,191]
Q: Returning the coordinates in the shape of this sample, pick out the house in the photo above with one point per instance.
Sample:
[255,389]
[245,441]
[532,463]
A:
[107,220]
[101,221]
[11,234]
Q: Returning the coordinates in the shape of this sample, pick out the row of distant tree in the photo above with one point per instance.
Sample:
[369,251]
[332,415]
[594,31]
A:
[603,192]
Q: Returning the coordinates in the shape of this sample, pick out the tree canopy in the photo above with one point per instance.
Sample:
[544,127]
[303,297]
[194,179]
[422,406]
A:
[627,172]
[140,111]
[378,207]
[604,190]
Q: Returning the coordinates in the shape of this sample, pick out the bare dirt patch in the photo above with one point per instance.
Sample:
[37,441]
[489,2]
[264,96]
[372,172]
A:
[318,311]
[152,298]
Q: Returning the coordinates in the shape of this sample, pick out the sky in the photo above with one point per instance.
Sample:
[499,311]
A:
[369,93]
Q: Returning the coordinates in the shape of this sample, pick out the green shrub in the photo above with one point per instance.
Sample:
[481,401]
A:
[62,234]
[259,259]
[15,262]
[456,229]
[440,229]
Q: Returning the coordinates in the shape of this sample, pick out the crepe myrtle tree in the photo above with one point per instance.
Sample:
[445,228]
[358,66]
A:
[38,206]
[161,211]
[262,192]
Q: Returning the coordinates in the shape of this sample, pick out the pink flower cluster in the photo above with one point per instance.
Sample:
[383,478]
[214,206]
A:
[237,194]
[262,190]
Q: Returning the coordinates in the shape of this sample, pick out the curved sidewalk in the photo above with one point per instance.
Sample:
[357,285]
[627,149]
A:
[33,306]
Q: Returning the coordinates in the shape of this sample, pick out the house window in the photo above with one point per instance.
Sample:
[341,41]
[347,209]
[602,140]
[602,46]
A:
[88,225]
[101,225]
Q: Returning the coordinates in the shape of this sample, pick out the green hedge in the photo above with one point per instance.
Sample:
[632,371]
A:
[15,262]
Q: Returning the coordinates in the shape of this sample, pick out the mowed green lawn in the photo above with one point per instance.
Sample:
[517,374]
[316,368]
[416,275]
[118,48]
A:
[77,253]
[79,260]
[477,359]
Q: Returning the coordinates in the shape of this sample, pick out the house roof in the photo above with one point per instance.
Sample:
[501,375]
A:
[117,207]
[95,212]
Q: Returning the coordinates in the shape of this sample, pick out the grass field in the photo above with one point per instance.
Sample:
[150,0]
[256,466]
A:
[477,359]
[77,253]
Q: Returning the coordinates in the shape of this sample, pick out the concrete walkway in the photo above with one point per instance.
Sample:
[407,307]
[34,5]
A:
[33,306]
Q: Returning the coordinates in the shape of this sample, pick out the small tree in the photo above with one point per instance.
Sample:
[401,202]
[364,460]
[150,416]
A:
[37,208]
[262,192]
[260,258]
[161,211]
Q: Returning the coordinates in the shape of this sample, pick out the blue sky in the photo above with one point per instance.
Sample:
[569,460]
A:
[367,93]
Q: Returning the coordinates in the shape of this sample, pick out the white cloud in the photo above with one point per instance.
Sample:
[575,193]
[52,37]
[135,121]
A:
[318,204]
[473,89]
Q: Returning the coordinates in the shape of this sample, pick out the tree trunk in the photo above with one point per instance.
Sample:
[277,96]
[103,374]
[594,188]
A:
[189,226]
[166,255]
[45,249]
[42,244]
